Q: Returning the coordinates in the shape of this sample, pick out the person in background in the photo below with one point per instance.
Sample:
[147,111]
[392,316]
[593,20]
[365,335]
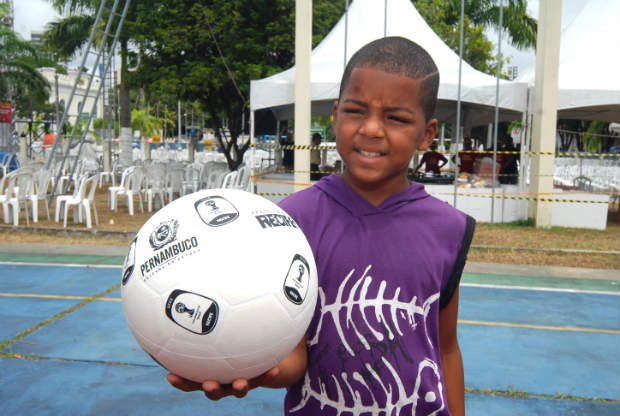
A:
[315,157]
[433,161]
[466,157]
[286,139]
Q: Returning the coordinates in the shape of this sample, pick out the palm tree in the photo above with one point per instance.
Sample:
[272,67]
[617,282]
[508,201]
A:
[68,35]
[518,25]
[145,123]
[19,61]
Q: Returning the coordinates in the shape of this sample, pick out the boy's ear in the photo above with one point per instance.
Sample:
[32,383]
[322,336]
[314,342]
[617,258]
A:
[429,134]
[335,110]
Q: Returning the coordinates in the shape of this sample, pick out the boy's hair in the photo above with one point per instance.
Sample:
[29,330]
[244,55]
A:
[398,55]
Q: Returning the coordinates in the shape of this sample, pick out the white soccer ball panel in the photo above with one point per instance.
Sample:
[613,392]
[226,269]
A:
[142,308]
[195,368]
[256,324]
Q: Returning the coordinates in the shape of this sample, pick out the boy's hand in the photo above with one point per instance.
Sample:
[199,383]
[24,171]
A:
[215,391]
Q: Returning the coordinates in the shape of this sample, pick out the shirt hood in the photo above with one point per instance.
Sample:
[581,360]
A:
[334,187]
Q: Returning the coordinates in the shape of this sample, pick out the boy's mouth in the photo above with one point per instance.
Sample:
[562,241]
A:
[369,154]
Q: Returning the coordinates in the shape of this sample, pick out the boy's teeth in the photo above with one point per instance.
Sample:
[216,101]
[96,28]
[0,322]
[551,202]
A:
[369,154]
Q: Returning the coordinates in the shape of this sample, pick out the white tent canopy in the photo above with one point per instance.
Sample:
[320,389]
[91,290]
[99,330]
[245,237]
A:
[589,72]
[365,23]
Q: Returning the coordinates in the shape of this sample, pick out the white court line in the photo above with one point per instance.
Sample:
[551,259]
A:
[479,285]
[102,266]
[541,289]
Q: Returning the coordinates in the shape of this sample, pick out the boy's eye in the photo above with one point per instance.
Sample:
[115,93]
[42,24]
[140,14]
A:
[352,111]
[398,119]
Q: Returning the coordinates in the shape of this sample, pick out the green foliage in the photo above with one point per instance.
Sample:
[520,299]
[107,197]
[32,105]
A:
[102,123]
[328,123]
[592,139]
[78,129]
[514,124]
[65,37]
[146,123]
[208,51]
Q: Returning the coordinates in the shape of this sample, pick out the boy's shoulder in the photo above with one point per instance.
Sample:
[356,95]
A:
[301,201]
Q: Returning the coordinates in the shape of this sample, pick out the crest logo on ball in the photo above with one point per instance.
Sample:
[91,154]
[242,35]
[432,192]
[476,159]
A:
[165,233]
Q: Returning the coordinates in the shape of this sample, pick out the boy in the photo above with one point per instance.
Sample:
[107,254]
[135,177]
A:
[389,258]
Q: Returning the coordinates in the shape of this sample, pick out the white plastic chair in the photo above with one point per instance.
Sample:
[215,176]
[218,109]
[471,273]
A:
[204,177]
[114,190]
[82,202]
[4,194]
[191,179]
[108,175]
[90,200]
[19,189]
[174,182]
[229,179]
[155,184]
[134,188]
[42,182]
[242,181]
[61,200]
[217,171]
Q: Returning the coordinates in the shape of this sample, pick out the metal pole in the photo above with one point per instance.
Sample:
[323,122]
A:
[253,186]
[499,57]
[179,121]
[57,102]
[458,102]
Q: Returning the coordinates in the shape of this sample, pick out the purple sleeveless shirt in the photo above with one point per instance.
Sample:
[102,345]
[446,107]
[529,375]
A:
[384,274]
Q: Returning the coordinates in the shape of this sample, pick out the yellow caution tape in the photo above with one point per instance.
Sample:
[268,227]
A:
[499,152]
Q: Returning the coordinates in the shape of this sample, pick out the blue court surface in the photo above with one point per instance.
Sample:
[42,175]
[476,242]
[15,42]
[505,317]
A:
[531,346]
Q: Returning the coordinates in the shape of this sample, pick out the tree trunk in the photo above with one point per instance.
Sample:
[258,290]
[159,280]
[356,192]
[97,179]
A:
[126,155]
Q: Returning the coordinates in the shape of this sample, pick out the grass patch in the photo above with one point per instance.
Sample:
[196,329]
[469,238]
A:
[117,228]
[513,393]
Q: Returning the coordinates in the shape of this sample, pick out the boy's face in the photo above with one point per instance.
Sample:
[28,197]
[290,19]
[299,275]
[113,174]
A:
[379,124]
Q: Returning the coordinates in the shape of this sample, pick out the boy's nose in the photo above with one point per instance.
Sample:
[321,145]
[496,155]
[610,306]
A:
[372,127]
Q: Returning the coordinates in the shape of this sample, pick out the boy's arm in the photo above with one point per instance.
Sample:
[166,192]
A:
[451,359]
[285,374]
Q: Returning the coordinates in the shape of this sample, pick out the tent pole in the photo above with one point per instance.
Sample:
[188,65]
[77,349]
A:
[499,57]
[303,92]
[545,104]
[458,104]
[346,29]
[384,18]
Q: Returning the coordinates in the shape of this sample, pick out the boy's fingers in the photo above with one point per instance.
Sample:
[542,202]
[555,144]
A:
[240,387]
[215,391]
[182,384]
[264,379]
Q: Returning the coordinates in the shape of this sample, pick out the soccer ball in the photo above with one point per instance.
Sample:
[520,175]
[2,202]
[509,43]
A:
[219,284]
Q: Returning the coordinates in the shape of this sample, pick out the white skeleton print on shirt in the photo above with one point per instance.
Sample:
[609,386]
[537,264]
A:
[370,325]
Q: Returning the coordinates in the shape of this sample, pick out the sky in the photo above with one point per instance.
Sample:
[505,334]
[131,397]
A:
[32,15]
[35,14]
